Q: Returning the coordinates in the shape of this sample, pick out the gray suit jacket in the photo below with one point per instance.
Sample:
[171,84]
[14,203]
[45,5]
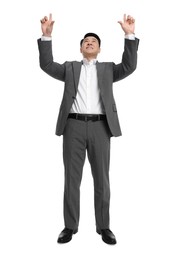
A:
[107,72]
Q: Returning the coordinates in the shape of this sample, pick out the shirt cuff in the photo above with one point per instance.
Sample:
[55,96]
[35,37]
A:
[130,36]
[45,38]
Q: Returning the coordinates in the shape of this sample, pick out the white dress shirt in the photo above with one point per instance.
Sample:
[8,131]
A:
[88,99]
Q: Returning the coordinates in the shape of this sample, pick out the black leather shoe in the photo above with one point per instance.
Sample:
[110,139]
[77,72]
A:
[107,236]
[66,235]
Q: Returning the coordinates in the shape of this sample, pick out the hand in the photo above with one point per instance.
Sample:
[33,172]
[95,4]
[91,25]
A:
[47,25]
[128,24]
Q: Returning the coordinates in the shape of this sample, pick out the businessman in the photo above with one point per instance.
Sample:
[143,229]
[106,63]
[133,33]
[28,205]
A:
[88,119]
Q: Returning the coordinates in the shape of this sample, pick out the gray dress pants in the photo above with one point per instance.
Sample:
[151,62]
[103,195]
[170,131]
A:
[93,137]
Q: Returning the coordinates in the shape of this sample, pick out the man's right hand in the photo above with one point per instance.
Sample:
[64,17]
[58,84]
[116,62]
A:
[47,25]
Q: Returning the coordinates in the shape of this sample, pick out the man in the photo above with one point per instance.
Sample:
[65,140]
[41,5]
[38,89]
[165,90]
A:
[87,119]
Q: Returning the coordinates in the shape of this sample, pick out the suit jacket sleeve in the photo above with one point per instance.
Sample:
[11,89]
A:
[129,60]
[47,63]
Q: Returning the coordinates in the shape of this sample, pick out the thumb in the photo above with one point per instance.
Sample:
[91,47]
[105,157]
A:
[120,22]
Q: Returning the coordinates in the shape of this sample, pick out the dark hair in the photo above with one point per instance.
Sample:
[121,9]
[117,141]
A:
[93,35]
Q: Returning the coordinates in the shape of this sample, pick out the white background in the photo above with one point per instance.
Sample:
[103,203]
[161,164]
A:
[141,171]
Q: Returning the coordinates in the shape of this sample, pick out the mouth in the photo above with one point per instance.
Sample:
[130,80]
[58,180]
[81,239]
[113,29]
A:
[89,47]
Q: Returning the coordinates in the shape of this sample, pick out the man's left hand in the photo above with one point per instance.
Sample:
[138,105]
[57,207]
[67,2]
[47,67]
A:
[128,24]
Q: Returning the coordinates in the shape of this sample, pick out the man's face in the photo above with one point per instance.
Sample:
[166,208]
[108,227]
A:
[90,47]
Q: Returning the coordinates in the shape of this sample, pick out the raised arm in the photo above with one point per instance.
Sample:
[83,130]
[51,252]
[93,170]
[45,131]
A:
[129,57]
[47,63]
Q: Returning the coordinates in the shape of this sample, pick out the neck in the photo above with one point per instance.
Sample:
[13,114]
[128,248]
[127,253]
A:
[89,58]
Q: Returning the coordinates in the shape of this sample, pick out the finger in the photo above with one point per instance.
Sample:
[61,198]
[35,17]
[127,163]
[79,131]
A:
[42,20]
[120,22]
[50,17]
[46,18]
[124,17]
[131,20]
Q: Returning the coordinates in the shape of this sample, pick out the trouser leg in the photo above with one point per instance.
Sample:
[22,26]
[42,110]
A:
[98,148]
[74,149]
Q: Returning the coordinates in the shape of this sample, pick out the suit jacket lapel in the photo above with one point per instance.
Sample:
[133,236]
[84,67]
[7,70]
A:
[76,66]
[100,69]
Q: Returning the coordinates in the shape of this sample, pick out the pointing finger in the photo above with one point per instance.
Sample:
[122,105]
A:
[50,17]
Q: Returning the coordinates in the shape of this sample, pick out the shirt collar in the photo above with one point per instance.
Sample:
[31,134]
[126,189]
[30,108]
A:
[91,62]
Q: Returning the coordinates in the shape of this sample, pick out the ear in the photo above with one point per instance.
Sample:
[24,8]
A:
[99,50]
[81,49]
